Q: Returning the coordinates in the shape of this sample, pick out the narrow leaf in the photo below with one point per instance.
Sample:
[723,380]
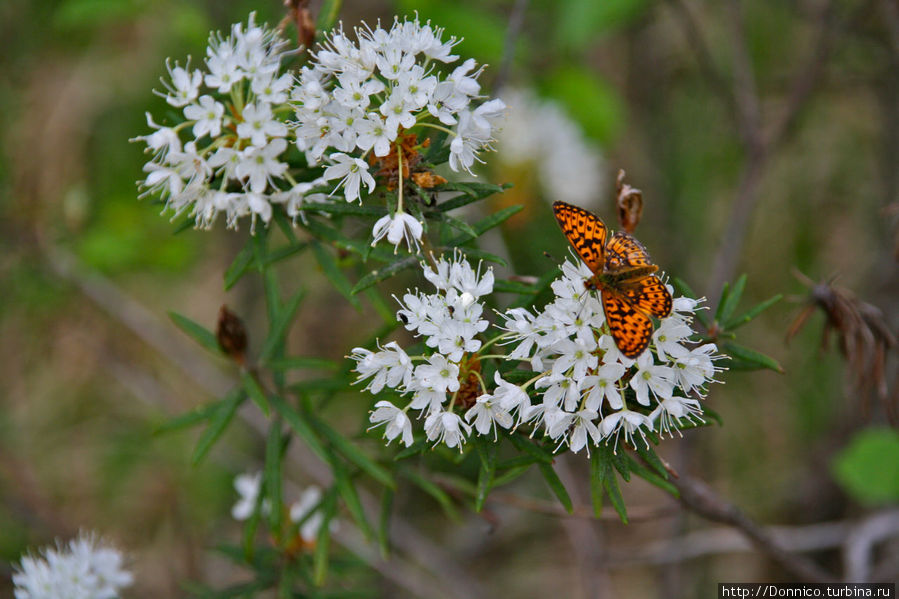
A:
[323,543]
[218,423]
[510,475]
[504,286]
[353,453]
[752,313]
[729,304]
[189,418]
[650,457]
[433,490]
[298,423]
[752,357]
[254,391]
[385,272]
[272,473]
[239,266]
[487,453]
[609,480]
[279,327]
[485,224]
[650,476]
[327,17]
[555,483]
[196,332]
[347,491]
[334,274]
[596,486]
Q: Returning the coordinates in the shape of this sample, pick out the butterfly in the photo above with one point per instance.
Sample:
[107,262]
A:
[622,272]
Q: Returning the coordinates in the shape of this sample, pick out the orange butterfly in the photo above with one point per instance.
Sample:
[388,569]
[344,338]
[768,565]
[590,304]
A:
[622,272]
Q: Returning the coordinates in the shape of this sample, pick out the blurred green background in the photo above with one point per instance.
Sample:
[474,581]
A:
[90,364]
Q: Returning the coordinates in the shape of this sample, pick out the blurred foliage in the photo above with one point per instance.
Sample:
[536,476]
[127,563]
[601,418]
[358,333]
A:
[82,392]
[868,468]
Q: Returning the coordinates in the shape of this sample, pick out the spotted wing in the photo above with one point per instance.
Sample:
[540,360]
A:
[648,295]
[585,232]
[624,250]
[631,329]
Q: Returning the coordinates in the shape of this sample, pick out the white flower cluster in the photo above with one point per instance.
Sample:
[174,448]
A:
[449,320]
[357,98]
[83,569]
[233,161]
[586,381]
[537,133]
[304,511]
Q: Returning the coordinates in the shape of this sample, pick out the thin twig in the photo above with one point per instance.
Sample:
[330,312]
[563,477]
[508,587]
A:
[857,558]
[703,501]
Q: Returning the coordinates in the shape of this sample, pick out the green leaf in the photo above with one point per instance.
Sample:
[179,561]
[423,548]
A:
[530,447]
[323,543]
[555,483]
[254,390]
[596,486]
[386,272]
[384,522]
[730,297]
[472,192]
[752,313]
[327,17]
[487,223]
[218,423]
[298,423]
[284,252]
[606,472]
[239,266]
[334,274]
[487,453]
[347,491]
[510,475]
[752,358]
[433,490]
[649,476]
[343,208]
[504,286]
[196,332]
[353,453]
[868,468]
[650,457]
[460,225]
[272,473]
[279,326]
[189,418]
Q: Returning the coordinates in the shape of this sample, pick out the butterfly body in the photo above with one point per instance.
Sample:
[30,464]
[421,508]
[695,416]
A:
[623,274]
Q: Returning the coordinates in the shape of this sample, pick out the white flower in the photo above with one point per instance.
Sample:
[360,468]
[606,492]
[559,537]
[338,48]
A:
[448,428]
[693,369]
[651,377]
[510,397]
[248,487]
[487,411]
[438,374]
[272,90]
[259,124]
[604,385]
[352,173]
[208,116]
[83,569]
[184,86]
[306,512]
[373,133]
[583,426]
[401,226]
[397,112]
[161,141]
[628,423]
[259,165]
[671,411]
[397,422]
[390,367]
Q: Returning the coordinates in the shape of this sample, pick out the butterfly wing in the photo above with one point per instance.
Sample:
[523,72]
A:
[631,328]
[625,251]
[585,232]
[649,295]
